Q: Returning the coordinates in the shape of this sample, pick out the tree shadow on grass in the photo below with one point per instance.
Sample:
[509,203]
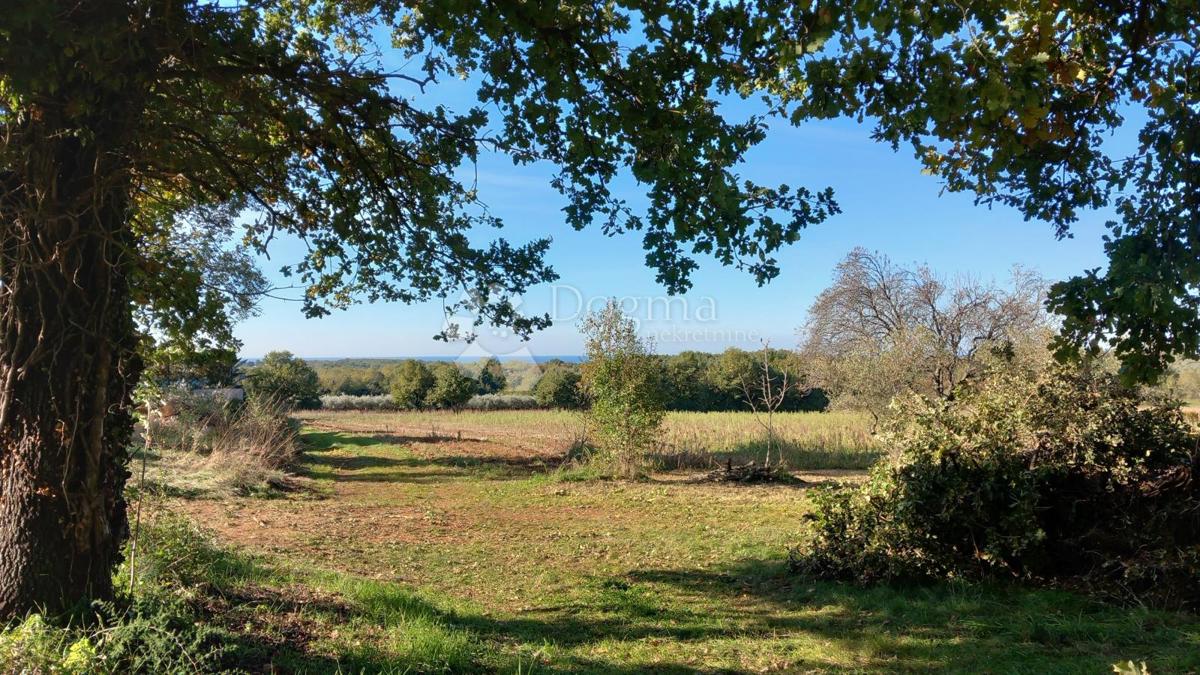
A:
[832,627]
[272,628]
[811,626]
[268,631]
[271,620]
[958,626]
[353,463]
[269,627]
[427,470]
[328,440]
[318,441]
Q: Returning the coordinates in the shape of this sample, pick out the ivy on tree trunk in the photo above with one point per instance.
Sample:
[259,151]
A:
[68,360]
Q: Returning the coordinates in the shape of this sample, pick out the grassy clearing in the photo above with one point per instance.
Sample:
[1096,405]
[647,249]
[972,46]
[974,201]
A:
[690,440]
[463,555]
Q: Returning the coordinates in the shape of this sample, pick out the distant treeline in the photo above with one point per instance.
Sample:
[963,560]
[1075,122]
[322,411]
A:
[373,377]
[697,381]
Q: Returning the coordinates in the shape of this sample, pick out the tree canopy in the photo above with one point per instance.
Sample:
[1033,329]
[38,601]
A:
[143,139]
[881,329]
[558,387]
[491,377]
[1014,102]
[411,382]
[288,118]
[451,388]
[285,380]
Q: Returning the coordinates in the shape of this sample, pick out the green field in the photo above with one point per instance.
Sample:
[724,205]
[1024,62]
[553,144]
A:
[402,551]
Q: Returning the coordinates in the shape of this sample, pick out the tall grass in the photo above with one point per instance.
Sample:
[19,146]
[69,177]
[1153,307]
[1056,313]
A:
[689,440]
[247,444]
[835,440]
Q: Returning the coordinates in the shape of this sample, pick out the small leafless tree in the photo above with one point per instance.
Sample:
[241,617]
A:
[881,329]
[765,391]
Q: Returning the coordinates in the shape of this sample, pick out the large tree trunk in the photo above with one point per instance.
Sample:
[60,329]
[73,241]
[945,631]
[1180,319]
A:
[68,362]
[67,368]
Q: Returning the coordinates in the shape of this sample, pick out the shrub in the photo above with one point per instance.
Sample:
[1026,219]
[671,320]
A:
[558,387]
[262,432]
[411,383]
[502,402]
[172,555]
[156,635]
[146,636]
[284,378]
[492,379]
[35,646]
[1068,480]
[347,402]
[622,381]
[451,389]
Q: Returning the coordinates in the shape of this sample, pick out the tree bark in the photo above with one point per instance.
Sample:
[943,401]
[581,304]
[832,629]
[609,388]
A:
[68,360]
[67,369]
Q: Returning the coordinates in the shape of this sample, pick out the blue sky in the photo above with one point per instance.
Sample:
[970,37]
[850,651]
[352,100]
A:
[888,206]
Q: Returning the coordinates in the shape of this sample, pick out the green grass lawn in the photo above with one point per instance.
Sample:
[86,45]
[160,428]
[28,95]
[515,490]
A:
[414,555]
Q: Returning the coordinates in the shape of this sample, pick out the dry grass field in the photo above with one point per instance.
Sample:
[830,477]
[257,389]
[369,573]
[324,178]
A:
[456,543]
[690,440]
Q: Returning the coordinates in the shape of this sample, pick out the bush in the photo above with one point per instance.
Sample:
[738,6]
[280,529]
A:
[623,383]
[1069,480]
[411,383]
[284,378]
[174,555]
[155,636]
[35,646]
[451,389]
[502,402]
[347,402]
[558,387]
